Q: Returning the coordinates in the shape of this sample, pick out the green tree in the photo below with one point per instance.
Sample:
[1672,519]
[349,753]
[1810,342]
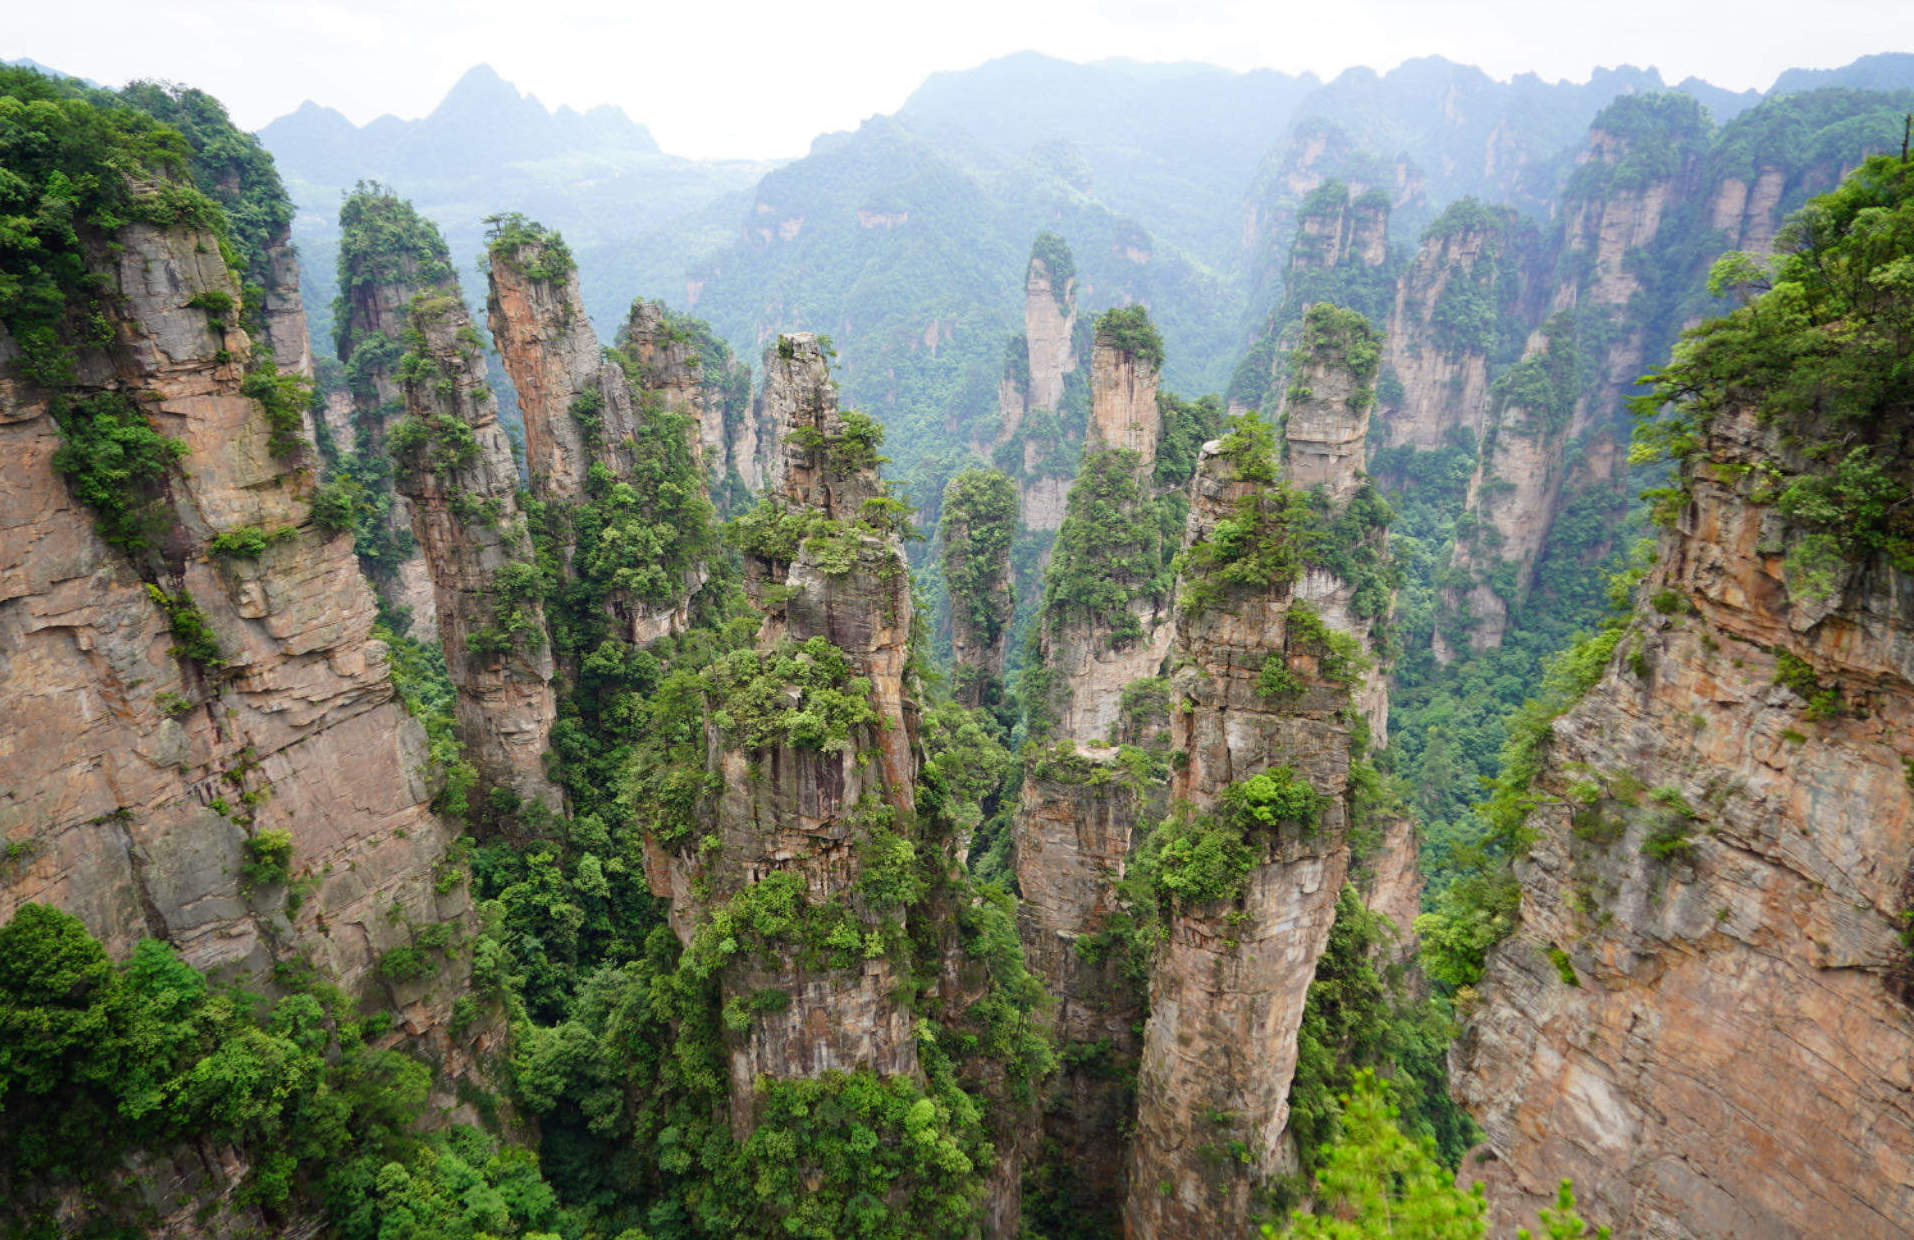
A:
[1376,1182]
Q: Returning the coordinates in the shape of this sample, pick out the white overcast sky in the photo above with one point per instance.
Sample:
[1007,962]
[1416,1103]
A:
[758,78]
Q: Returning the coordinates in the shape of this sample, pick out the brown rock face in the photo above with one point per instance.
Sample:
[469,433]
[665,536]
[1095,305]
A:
[1444,374]
[1325,411]
[581,408]
[788,809]
[1228,986]
[1077,818]
[1123,411]
[134,776]
[1049,327]
[1733,1058]
[554,358]
[455,466]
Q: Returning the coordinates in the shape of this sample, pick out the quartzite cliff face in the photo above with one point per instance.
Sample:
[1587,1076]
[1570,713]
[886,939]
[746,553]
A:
[789,809]
[1081,807]
[1228,985]
[137,775]
[1730,1058]
[454,463]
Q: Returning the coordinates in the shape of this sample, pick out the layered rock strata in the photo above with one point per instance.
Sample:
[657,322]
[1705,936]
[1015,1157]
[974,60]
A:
[454,464]
[1703,1015]
[583,407]
[788,808]
[142,763]
[1229,983]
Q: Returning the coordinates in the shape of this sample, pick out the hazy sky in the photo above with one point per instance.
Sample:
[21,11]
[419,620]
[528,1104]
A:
[761,78]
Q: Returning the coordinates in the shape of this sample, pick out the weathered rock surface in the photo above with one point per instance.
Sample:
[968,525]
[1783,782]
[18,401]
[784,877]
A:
[1732,1057]
[553,357]
[803,811]
[1228,987]
[1443,369]
[1516,486]
[1049,328]
[1123,411]
[1325,413]
[580,406]
[134,776]
[1562,432]
[458,471]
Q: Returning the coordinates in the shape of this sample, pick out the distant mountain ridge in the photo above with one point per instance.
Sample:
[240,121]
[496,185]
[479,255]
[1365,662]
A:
[482,119]
[904,239]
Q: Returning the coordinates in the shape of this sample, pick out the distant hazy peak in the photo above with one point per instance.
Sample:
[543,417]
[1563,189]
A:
[481,109]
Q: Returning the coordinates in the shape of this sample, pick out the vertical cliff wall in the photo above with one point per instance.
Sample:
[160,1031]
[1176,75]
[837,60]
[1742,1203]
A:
[1721,874]
[798,812]
[1703,1013]
[1455,305]
[602,430]
[1557,427]
[1106,608]
[1325,410]
[454,464]
[1275,695]
[388,254]
[1103,633]
[207,679]
[1041,396]
[1338,252]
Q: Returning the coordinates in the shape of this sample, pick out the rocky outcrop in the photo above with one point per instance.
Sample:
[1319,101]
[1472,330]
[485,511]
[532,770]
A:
[1557,427]
[283,312]
[558,369]
[1702,1016]
[1325,410]
[1229,982]
[454,464]
[695,374]
[1092,653]
[1516,484]
[1043,398]
[1748,211]
[169,706]
[584,405]
[388,255]
[1123,411]
[807,809]
[1082,800]
[1049,323]
[1338,253]
[1467,278]
[1080,813]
